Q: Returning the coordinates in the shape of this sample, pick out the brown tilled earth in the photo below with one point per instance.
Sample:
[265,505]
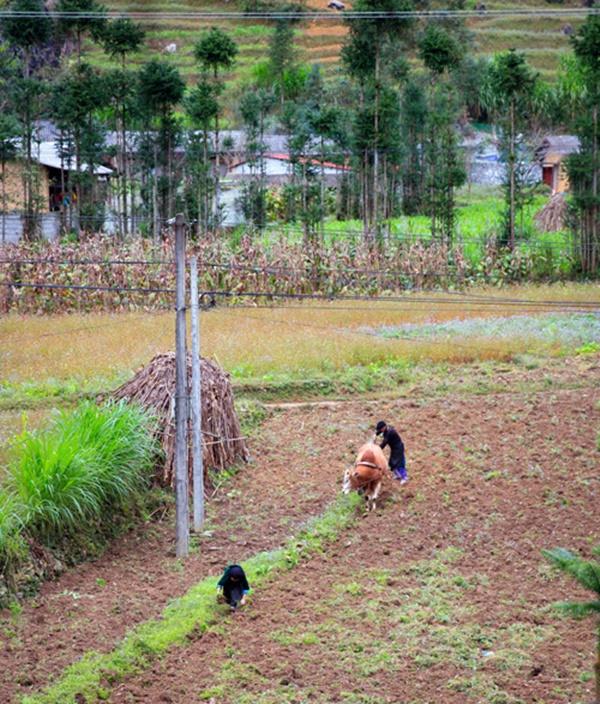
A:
[441,596]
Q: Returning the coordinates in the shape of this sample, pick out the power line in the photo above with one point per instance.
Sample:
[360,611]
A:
[303,15]
[479,301]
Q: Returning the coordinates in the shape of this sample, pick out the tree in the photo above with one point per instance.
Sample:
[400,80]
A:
[25,35]
[160,88]
[27,32]
[82,17]
[441,53]
[216,51]
[413,129]
[255,105]
[508,90]
[584,167]
[201,106]
[120,38]
[9,132]
[587,573]
[372,46]
[77,97]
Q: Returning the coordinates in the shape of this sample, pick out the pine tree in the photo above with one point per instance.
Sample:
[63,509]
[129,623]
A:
[371,46]
[255,105]
[85,17]
[77,97]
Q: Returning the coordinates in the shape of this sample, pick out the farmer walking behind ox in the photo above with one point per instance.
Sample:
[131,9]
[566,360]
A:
[397,461]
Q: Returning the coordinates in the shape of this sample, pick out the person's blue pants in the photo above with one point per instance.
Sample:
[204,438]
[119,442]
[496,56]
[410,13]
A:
[400,472]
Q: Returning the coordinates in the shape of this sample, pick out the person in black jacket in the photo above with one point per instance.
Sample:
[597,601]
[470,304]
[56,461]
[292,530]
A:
[234,585]
[397,461]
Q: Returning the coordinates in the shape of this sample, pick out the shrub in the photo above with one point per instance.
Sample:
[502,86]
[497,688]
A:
[86,464]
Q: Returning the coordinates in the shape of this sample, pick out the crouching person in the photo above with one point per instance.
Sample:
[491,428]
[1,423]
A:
[234,586]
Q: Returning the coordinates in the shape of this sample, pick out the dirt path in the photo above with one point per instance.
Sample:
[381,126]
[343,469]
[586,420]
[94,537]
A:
[498,477]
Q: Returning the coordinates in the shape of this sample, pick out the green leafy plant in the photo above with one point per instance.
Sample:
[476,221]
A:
[587,573]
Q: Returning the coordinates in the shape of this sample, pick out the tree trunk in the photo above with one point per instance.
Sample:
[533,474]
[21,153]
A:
[511,164]
[595,211]
[217,167]
[155,208]
[375,221]
[3,202]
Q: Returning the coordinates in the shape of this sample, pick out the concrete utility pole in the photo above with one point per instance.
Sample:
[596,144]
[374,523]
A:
[181,398]
[198,469]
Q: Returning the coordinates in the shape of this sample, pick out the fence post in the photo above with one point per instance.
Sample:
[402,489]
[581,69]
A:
[198,469]
[181,398]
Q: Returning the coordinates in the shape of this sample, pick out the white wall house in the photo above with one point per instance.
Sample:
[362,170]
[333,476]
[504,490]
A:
[278,169]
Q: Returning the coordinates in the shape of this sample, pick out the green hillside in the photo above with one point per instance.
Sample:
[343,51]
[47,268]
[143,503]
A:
[319,41]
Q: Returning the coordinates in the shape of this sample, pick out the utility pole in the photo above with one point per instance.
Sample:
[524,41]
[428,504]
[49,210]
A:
[198,469]
[181,398]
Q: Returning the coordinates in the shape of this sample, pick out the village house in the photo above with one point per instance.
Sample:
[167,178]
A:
[277,168]
[53,193]
[551,155]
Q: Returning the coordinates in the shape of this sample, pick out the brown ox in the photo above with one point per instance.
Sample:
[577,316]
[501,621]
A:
[367,473]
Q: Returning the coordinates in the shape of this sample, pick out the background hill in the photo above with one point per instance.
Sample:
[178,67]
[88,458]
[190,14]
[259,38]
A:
[543,39]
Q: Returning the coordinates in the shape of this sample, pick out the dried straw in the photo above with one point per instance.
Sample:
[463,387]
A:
[154,388]
[551,217]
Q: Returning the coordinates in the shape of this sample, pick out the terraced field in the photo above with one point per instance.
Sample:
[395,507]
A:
[542,38]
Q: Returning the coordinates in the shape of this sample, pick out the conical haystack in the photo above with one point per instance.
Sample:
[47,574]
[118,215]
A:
[551,218]
[154,388]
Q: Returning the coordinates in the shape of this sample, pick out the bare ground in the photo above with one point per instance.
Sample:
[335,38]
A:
[441,596]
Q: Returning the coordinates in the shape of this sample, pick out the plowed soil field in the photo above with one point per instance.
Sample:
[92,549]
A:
[442,595]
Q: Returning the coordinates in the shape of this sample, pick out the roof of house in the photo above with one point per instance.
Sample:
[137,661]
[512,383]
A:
[554,147]
[47,154]
[280,156]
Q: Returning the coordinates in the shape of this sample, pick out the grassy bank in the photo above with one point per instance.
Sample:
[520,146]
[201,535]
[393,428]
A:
[64,481]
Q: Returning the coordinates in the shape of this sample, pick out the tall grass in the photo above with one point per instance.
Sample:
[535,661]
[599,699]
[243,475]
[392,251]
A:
[86,463]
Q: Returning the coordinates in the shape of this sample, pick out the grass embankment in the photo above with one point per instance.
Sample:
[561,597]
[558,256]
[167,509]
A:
[92,677]
[62,482]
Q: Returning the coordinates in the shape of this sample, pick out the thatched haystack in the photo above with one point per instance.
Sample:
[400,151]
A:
[154,388]
[551,217]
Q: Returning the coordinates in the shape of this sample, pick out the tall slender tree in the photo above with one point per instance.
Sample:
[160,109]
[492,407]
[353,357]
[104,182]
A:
[441,53]
[161,88]
[369,41]
[81,17]
[120,38]
[25,34]
[77,97]
[508,91]
[201,106]
[584,167]
[255,106]
[9,132]
[216,52]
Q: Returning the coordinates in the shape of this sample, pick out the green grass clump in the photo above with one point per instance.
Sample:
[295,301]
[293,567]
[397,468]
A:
[63,477]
